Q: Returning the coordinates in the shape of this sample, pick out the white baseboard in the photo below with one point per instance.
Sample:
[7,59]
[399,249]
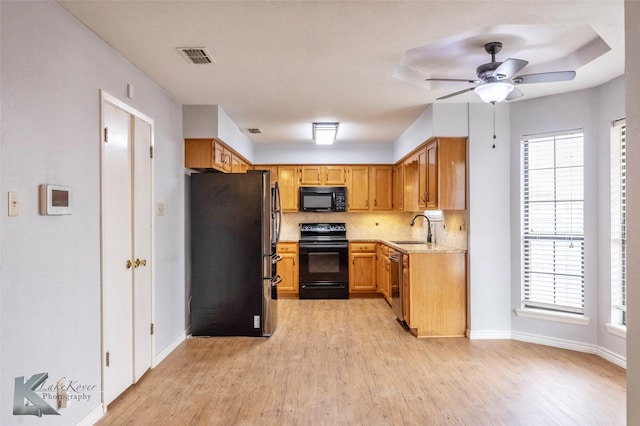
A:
[93,417]
[489,334]
[614,358]
[160,356]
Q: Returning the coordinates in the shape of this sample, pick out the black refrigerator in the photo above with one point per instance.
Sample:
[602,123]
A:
[235,226]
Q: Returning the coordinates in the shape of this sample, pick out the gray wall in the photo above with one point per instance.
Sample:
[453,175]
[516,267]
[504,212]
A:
[592,110]
[52,70]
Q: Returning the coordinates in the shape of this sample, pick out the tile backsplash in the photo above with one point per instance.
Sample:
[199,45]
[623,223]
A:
[384,225]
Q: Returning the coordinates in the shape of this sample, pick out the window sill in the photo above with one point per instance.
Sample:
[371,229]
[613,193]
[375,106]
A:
[617,330]
[542,314]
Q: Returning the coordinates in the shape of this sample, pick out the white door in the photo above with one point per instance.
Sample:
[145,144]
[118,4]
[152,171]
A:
[142,247]
[126,247]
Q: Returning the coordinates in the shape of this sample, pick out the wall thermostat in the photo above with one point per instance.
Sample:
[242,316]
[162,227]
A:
[55,200]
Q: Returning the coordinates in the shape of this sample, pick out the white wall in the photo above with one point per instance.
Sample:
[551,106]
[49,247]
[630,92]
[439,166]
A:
[632,30]
[52,70]
[436,120]
[338,153]
[211,121]
[489,221]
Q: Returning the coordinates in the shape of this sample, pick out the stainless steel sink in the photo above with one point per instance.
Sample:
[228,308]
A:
[409,242]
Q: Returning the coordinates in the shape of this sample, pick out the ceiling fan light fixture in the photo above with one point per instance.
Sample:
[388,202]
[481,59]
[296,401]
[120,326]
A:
[325,133]
[494,92]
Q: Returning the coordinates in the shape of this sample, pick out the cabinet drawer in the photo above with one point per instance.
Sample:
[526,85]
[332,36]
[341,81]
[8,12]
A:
[287,247]
[366,247]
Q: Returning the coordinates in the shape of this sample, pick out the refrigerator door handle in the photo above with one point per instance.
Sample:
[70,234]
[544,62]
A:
[278,211]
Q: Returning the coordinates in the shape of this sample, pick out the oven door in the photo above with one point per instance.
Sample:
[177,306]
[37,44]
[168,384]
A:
[324,262]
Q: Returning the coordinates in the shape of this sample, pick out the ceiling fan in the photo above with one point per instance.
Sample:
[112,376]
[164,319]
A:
[497,80]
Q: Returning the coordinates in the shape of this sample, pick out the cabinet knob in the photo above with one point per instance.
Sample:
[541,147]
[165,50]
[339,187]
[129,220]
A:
[128,264]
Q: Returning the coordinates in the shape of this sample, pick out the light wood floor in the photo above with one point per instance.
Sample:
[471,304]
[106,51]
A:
[348,362]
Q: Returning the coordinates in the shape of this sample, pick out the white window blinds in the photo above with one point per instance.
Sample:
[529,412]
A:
[618,222]
[553,221]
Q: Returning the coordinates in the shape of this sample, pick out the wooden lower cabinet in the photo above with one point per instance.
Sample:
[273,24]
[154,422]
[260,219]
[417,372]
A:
[436,294]
[288,269]
[362,268]
[384,266]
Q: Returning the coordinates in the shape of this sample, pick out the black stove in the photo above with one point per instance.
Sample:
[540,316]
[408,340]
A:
[324,261]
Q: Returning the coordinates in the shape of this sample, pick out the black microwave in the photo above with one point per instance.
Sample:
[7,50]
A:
[323,199]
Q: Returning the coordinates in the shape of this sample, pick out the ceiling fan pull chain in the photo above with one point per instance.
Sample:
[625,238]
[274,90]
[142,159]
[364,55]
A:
[494,125]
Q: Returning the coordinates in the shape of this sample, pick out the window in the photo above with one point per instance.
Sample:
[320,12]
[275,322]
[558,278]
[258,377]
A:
[618,224]
[553,221]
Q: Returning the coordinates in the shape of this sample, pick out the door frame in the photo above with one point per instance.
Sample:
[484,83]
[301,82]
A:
[107,98]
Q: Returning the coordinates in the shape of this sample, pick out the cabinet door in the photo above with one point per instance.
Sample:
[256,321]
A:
[288,182]
[310,175]
[358,188]
[422,179]
[411,179]
[334,175]
[397,179]
[452,170]
[406,290]
[288,269]
[198,153]
[221,157]
[362,273]
[380,188]
[431,198]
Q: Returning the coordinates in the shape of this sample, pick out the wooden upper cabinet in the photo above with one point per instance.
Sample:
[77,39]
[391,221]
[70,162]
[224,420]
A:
[397,184]
[238,165]
[452,173]
[310,175]
[358,188]
[435,176]
[335,175]
[380,188]
[411,177]
[288,182]
[322,175]
[222,157]
[198,153]
[207,154]
[431,195]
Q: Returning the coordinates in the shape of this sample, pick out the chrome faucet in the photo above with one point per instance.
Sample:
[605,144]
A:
[413,222]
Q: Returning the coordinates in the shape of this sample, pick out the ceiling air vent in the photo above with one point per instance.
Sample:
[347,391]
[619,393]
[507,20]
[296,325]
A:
[196,55]
[253,130]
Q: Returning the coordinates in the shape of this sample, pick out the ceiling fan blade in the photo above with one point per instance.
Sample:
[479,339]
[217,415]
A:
[545,77]
[459,92]
[462,80]
[514,94]
[509,68]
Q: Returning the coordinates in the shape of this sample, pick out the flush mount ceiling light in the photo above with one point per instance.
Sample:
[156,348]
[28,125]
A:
[324,133]
[494,92]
